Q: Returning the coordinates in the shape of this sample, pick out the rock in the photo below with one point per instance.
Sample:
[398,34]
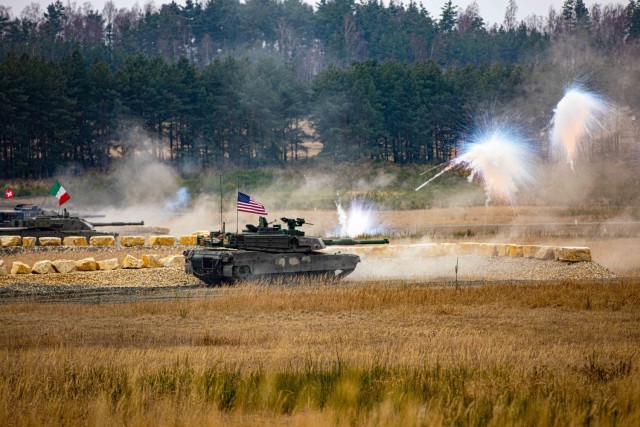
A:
[530,251]
[28,242]
[10,241]
[129,241]
[87,264]
[173,261]
[151,261]
[131,262]
[41,267]
[188,240]
[64,265]
[573,254]
[201,233]
[162,240]
[3,268]
[545,252]
[102,241]
[515,251]
[50,241]
[108,264]
[488,249]
[75,241]
[20,268]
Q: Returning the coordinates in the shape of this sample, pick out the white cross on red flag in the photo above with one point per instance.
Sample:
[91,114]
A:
[8,194]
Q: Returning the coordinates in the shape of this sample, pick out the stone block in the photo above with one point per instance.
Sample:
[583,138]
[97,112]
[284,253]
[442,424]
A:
[131,262]
[64,265]
[188,240]
[468,248]
[20,268]
[102,241]
[162,240]
[173,261]
[86,264]
[573,254]
[448,248]
[530,251]
[74,241]
[151,261]
[546,253]
[41,267]
[50,241]
[7,241]
[515,251]
[503,249]
[129,241]
[108,264]
[3,268]
[201,233]
[488,249]
[29,242]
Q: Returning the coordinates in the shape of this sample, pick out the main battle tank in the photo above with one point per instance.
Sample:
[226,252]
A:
[53,224]
[264,252]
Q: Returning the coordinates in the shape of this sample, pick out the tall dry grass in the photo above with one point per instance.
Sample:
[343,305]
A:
[390,353]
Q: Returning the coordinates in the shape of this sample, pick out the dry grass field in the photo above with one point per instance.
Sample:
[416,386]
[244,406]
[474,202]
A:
[387,353]
[364,352]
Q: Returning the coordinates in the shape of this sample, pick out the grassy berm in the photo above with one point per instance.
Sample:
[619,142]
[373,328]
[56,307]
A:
[386,353]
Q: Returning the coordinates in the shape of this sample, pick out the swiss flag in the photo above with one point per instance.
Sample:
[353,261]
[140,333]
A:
[8,194]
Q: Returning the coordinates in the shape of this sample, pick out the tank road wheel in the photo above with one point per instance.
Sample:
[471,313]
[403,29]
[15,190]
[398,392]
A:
[242,272]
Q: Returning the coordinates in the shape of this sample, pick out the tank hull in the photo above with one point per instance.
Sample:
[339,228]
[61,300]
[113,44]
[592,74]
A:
[215,267]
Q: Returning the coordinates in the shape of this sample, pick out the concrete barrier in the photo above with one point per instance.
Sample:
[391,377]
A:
[41,267]
[162,240]
[572,254]
[64,265]
[29,242]
[86,264]
[74,241]
[7,241]
[50,241]
[102,241]
[130,241]
[108,264]
[151,261]
[20,268]
[131,262]
[188,240]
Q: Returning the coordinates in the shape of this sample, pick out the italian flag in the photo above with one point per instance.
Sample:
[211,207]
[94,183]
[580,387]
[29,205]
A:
[60,193]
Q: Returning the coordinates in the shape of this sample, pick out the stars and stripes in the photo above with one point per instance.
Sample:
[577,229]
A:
[246,203]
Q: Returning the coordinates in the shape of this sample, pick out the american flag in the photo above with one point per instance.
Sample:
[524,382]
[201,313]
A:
[246,203]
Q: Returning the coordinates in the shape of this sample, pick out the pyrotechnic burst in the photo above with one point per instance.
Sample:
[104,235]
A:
[577,116]
[359,219]
[499,158]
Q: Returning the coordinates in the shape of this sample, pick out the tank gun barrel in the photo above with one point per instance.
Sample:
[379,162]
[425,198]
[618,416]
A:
[115,224]
[348,242]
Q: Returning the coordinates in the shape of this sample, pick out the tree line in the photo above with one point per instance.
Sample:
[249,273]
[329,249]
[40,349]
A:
[225,82]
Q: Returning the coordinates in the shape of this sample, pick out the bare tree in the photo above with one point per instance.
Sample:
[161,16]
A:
[510,16]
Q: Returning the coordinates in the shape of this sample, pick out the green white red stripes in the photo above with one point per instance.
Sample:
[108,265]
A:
[60,193]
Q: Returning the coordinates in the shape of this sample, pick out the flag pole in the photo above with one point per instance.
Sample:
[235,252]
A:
[221,221]
[45,199]
[237,212]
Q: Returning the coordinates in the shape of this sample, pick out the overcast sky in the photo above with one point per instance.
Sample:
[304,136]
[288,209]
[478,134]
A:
[492,11]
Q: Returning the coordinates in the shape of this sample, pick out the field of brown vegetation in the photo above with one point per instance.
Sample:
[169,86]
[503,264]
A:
[365,352]
[387,353]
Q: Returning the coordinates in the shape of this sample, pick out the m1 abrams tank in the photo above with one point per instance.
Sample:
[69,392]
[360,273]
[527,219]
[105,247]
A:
[264,252]
[52,224]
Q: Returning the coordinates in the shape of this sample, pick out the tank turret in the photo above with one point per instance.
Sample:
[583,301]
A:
[267,251]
